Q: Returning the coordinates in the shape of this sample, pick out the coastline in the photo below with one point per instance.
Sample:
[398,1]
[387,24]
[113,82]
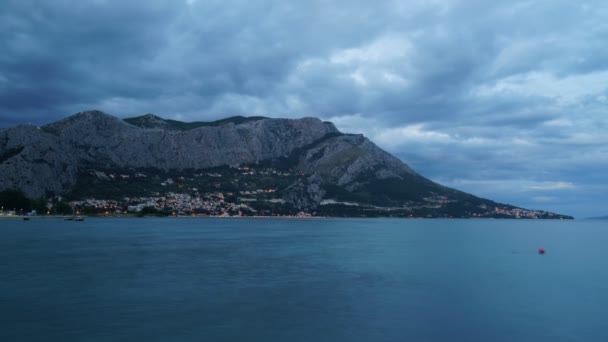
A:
[16,217]
[46,217]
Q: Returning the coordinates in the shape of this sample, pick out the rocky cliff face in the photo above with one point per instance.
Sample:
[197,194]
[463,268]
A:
[35,162]
[342,159]
[50,156]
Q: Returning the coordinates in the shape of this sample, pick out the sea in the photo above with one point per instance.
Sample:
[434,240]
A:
[216,279]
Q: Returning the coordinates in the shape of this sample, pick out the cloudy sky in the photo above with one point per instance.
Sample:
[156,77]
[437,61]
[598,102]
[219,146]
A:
[507,100]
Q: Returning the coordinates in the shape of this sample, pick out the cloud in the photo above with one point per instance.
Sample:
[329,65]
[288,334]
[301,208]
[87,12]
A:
[514,185]
[552,186]
[565,91]
[514,91]
[544,199]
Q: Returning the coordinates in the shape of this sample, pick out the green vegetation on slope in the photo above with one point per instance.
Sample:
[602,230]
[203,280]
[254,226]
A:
[143,121]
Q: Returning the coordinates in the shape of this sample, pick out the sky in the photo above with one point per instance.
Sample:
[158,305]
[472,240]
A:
[507,100]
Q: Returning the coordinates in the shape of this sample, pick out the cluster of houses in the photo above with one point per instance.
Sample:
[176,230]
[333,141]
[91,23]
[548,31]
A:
[173,203]
[520,213]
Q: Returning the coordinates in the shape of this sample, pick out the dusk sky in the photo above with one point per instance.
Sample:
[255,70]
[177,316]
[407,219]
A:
[506,100]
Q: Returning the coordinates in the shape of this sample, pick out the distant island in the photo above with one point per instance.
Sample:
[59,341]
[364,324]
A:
[94,163]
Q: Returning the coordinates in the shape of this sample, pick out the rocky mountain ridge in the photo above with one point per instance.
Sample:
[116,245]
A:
[332,166]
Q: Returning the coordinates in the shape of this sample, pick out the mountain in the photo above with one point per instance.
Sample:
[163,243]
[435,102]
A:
[262,165]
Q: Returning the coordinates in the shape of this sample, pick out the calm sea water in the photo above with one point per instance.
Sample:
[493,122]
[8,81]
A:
[303,280]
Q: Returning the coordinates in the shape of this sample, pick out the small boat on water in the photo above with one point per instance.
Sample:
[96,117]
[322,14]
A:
[79,218]
[26,219]
[69,219]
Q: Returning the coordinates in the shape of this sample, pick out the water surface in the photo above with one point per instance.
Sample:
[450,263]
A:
[303,280]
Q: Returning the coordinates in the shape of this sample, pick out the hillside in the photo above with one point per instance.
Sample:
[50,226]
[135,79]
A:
[257,165]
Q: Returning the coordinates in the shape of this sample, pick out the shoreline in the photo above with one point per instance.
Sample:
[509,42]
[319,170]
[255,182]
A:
[15,217]
[44,217]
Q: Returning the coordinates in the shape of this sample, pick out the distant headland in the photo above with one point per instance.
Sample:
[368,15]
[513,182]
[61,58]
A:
[94,163]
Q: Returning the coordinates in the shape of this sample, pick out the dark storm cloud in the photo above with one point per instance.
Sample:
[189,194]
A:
[122,56]
[62,53]
[512,92]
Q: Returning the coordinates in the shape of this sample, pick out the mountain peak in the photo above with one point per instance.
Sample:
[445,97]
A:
[91,114]
[150,117]
[149,121]
[86,120]
[87,115]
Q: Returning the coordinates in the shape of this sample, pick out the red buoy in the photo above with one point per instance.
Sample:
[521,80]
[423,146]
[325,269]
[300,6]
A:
[541,250]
